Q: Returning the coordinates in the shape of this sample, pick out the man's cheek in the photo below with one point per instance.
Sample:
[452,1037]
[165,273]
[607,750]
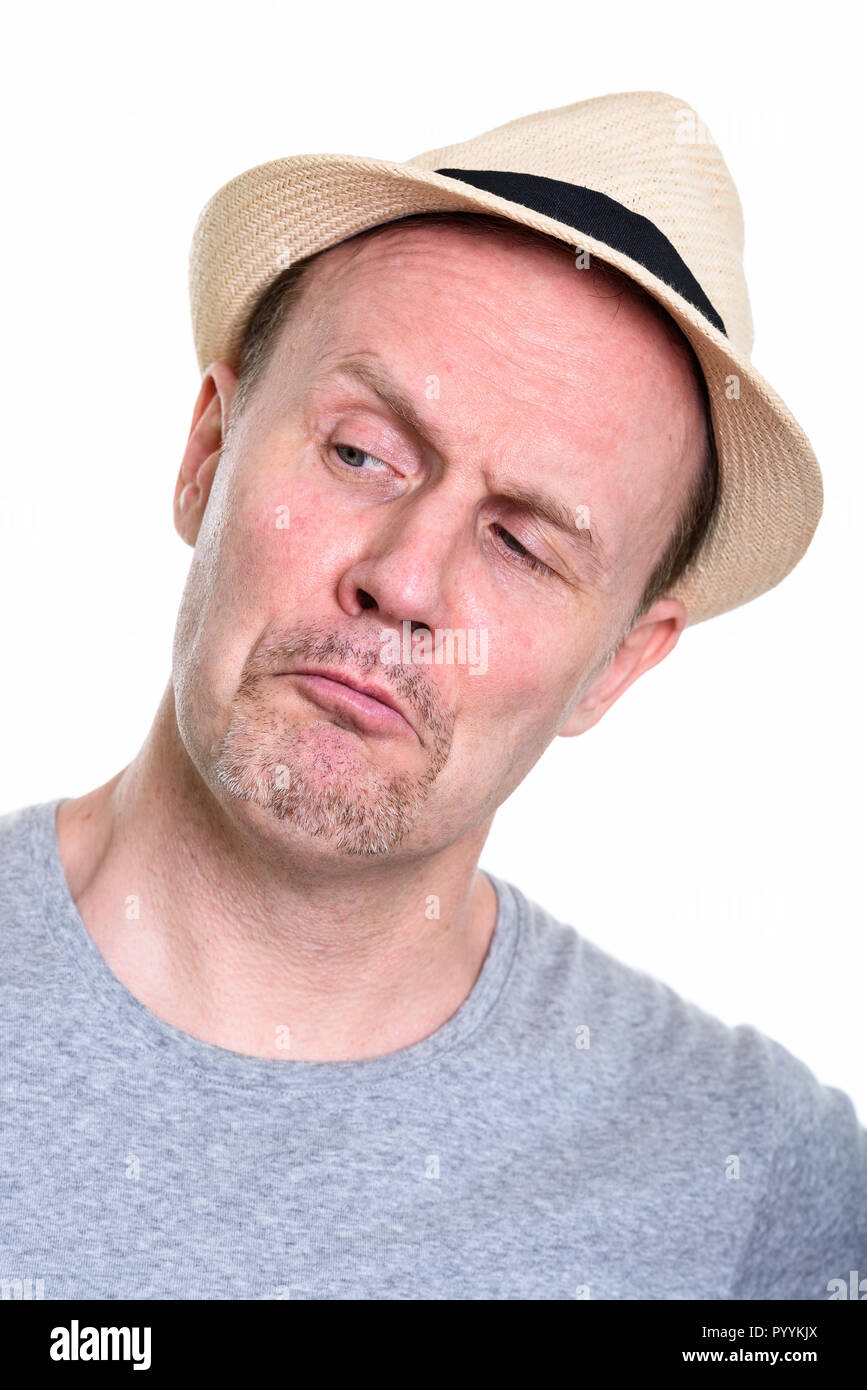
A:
[268,529]
[299,547]
[517,666]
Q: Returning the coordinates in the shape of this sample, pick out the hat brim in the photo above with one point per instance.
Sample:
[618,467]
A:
[770,487]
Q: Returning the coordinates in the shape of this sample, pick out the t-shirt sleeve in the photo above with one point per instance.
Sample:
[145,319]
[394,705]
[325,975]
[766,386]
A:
[809,1234]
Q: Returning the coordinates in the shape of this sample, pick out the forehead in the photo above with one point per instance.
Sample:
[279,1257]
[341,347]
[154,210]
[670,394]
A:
[522,359]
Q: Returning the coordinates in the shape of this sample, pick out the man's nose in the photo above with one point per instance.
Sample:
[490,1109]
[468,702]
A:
[407,571]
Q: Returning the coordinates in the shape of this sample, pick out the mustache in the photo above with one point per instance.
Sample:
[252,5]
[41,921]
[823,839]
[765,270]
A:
[316,643]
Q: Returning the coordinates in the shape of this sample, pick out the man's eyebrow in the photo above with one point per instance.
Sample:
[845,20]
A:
[573,524]
[366,371]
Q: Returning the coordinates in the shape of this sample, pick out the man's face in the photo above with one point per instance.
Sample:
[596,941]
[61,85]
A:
[557,432]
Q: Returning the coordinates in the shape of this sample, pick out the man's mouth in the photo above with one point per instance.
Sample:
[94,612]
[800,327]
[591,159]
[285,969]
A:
[364,703]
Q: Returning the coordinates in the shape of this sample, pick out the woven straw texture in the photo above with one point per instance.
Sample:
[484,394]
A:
[650,152]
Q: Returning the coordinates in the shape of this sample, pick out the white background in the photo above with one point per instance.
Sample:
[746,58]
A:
[710,829]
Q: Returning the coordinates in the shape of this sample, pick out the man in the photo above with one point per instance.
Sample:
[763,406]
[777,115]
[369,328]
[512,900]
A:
[455,479]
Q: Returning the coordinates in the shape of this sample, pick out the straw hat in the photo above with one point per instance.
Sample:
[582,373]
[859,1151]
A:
[633,179]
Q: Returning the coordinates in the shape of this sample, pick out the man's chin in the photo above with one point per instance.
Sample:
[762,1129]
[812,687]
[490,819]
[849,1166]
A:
[321,788]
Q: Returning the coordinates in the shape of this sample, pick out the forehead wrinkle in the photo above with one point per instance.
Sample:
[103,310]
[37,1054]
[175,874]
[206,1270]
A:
[572,362]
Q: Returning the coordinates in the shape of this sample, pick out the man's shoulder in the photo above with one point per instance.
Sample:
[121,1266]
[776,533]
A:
[569,969]
[27,882]
[681,1098]
[22,834]
[643,1035]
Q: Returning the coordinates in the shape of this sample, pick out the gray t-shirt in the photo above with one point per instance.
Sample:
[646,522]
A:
[575,1130]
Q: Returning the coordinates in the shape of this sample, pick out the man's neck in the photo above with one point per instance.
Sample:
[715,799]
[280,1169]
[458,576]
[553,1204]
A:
[224,932]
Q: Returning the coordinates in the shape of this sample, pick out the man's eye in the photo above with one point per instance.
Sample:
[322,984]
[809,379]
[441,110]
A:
[520,552]
[354,458]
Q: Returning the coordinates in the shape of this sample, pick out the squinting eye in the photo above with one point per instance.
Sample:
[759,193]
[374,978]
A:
[356,456]
[520,552]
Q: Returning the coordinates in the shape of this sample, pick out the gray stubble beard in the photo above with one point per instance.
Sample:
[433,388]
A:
[360,811]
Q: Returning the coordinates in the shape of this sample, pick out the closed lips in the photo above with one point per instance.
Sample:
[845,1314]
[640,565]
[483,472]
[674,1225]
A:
[371,704]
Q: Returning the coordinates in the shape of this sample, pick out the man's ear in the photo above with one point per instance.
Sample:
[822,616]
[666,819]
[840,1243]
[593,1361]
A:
[202,454]
[651,639]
